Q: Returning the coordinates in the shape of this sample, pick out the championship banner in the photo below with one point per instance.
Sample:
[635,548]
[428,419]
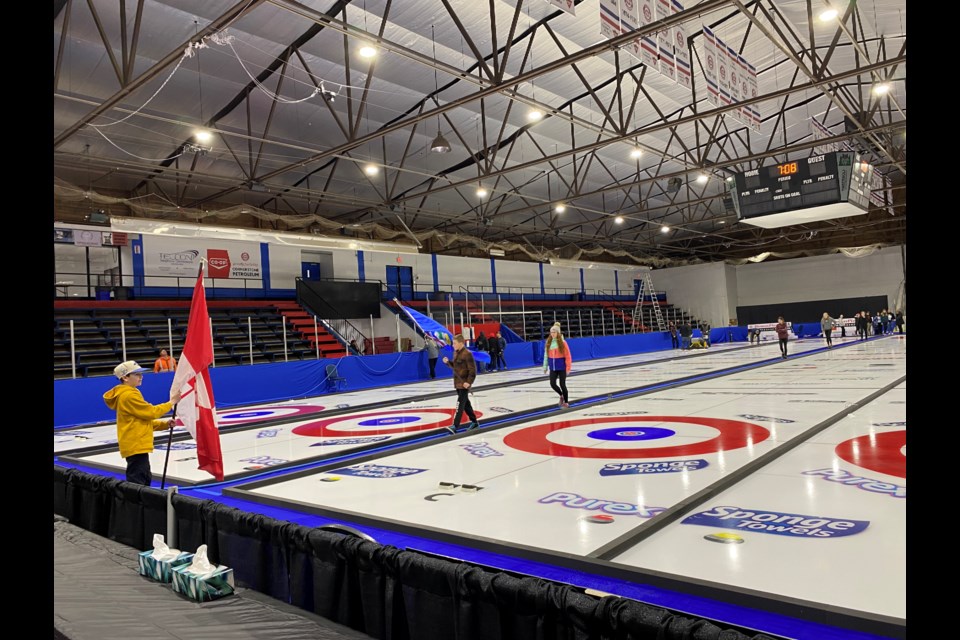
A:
[610,18]
[743,82]
[752,85]
[630,21]
[723,72]
[665,42]
[681,52]
[710,67]
[647,51]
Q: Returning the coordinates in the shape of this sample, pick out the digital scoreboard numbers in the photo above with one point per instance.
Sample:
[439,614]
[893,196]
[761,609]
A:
[822,187]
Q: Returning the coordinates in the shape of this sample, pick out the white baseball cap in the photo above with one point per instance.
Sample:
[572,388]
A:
[126,368]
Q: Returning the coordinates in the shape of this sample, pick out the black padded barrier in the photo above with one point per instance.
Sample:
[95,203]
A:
[379,590]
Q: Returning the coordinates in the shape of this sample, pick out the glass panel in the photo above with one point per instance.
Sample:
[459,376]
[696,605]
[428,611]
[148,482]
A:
[70,271]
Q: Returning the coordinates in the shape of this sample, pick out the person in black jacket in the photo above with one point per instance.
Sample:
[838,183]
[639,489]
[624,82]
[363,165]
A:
[464,373]
[497,346]
[686,332]
[482,344]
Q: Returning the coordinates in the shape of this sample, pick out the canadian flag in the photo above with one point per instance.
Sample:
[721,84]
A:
[196,409]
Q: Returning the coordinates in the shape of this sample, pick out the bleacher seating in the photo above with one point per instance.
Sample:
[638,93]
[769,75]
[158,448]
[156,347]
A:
[105,335]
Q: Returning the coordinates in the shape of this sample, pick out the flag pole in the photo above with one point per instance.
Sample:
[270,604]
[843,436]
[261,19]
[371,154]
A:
[173,420]
[166,460]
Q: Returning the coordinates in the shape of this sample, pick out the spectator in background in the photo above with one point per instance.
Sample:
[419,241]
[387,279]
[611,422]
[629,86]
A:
[137,419]
[782,335]
[433,352]
[686,332]
[843,329]
[674,336]
[899,321]
[464,373]
[877,323]
[557,360]
[353,349]
[754,335]
[482,344]
[705,332]
[164,363]
[498,345]
[863,324]
[826,325]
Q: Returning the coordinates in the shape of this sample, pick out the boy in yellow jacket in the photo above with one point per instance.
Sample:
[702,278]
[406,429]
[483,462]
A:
[137,419]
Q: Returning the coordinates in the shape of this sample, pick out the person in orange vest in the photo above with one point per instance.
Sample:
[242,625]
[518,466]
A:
[164,363]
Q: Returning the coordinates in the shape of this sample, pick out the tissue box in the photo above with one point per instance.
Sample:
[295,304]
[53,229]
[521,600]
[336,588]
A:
[203,588]
[161,570]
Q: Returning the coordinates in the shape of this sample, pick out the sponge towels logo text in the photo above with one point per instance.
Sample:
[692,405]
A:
[782,524]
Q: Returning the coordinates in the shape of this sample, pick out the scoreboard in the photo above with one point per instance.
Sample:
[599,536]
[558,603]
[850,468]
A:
[822,187]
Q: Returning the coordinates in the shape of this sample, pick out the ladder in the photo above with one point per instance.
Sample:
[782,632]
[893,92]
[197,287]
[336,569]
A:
[646,288]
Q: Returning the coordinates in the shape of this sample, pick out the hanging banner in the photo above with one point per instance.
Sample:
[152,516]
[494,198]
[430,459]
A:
[752,84]
[723,72]
[665,42]
[710,67]
[645,47]
[680,51]
[743,83]
[610,18]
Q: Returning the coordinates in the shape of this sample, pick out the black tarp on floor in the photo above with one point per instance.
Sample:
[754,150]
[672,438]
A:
[98,595]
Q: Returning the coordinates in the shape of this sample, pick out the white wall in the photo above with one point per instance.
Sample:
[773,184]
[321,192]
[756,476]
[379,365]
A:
[701,289]
[518,277]
[558,277]
[829,277]
[455,271]
[597,279]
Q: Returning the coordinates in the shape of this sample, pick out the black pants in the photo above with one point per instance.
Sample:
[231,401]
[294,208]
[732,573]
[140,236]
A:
[433,367]
[138,469]
[826,334]
[674,342]
[843,332]
[783,346]
[862,332]
[497,359]
[561,377]
[899,327]
[463,405]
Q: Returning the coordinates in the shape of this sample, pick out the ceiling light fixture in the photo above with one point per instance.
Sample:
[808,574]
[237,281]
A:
[367,51]
[439,144]
[618,219]
[702,178]
[664,229]
[636,152]
[881,89]
[828,15]
[371,169]
[560,208]
[202,136]
[481,192]
[534,115]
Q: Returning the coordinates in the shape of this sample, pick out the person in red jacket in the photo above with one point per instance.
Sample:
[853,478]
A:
[557,360]
[782,335]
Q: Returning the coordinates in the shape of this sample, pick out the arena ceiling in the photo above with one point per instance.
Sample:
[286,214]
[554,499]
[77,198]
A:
[310,135]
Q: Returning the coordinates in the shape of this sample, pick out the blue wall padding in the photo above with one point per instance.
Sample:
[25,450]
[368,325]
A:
[79,401]
[728,334]
[509,334]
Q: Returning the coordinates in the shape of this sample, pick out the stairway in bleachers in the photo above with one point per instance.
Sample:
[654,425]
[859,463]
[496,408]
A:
[312,331]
